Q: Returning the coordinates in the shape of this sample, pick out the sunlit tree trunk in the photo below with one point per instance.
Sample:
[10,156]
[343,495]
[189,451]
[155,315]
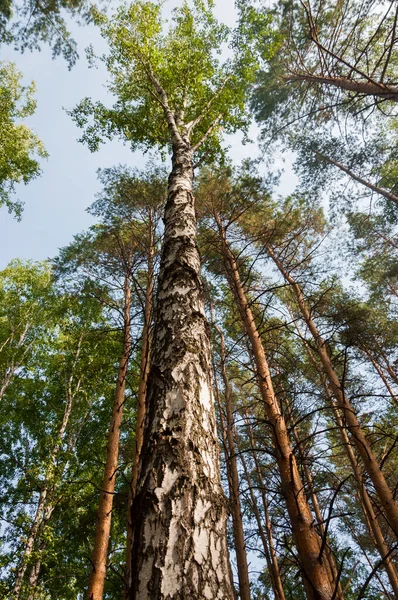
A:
[368,88]
[371,520]
[313,564]
[359,439]
[104,513]
[307,476]
[179,510]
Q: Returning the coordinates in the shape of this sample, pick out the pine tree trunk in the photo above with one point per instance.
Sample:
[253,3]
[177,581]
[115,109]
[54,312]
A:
[368,88]
[179,510]
[266,537]
[104,513]
[389,368]
[371,520]
[359,439]
[307,476]
[233,479]
[140,415]
[314,567]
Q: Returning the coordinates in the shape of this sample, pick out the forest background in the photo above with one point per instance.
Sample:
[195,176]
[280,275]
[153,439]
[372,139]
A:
[300,291]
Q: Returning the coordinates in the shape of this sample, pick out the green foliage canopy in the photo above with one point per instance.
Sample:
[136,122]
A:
[169,79]
[20,147]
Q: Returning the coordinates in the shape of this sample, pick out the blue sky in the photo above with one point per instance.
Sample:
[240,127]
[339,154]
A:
[55,203]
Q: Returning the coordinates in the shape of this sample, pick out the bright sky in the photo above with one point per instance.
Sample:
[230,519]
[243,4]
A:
[55,203]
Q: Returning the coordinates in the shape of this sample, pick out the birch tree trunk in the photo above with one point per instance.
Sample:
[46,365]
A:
[29,544]
[104,514]
[360,441]
[179,510]
[314,565]
[13,366]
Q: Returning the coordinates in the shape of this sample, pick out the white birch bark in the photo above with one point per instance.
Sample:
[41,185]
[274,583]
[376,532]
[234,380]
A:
[179,511]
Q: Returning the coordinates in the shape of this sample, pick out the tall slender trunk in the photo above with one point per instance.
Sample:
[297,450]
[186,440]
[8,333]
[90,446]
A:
[33,579]
[333,571]
[179,510]
[43,506]
[371,520]
[36,567]
[233,477]
[370,562]
[313,563]
[104,513]
[142,386]
[266,536]
[359,439]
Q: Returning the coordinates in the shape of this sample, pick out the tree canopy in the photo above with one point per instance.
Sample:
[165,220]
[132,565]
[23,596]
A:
[199,391]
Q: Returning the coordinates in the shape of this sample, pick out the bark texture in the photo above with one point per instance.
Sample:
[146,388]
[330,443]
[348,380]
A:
[359,439]
[313,564]
[307,476]
[179,510]
[104,514]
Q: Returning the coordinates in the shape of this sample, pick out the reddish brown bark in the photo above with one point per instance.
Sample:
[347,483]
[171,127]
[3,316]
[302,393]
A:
[358,437]
[104,514]
[332,569]
[371,520]
[313,564]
